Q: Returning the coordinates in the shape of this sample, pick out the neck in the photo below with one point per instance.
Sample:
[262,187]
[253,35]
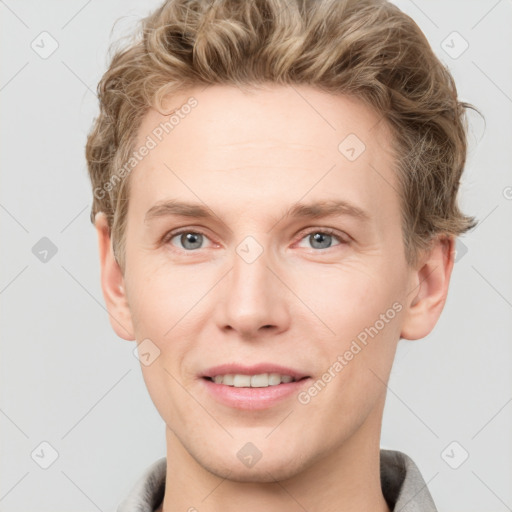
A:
[346,479]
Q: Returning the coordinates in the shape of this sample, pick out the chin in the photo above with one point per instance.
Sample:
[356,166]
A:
[264,471]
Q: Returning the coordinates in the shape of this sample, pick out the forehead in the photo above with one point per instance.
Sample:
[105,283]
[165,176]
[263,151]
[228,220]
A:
[275,145]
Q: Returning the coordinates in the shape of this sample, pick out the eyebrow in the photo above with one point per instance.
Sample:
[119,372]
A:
[319,209]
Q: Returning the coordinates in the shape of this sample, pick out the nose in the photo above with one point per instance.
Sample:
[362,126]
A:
[254,299]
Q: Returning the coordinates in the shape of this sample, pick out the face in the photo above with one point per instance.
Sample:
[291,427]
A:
[224,268]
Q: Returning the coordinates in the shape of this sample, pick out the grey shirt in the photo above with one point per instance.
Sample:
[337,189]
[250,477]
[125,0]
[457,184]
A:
[402,485]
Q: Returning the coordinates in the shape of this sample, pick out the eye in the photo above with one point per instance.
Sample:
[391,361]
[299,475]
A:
[322,238]
[191,240]
[186,239]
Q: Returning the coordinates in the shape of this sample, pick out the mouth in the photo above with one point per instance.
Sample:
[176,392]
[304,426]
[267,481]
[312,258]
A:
[260,375]
[261,380]
[257,387]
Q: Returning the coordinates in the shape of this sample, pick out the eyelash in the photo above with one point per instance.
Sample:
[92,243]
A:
[324,231]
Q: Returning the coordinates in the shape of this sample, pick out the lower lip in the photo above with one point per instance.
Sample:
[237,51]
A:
[253,398]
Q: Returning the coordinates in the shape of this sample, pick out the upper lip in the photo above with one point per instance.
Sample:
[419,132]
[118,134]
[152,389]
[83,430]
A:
[257,369]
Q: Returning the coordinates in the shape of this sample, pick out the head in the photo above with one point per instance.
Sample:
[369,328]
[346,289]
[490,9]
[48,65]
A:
[264,115]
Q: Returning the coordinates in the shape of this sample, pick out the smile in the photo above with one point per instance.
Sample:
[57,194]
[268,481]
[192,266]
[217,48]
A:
[261,380]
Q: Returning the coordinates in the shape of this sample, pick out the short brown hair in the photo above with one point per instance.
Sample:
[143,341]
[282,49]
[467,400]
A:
[364,48]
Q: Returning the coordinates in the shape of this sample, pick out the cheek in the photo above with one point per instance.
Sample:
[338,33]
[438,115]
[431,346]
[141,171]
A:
[345,297]
[163,298]
[359,314]
[358,364]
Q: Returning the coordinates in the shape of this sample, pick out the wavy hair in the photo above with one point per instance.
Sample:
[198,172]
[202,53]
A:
[368,49]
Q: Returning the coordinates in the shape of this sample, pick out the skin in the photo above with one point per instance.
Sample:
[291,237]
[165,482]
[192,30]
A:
[248,157]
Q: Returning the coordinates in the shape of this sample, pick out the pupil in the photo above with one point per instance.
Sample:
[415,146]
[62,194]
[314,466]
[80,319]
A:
[191,238]
[322,239]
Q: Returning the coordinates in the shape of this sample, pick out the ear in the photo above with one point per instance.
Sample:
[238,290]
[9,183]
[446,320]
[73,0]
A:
[112,282]
[429,289]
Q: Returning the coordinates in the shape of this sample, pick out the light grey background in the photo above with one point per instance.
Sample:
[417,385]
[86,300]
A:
[67,380]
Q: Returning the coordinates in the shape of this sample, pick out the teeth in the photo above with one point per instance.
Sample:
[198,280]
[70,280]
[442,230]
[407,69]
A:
[262,380]
[274,379]
[242,381]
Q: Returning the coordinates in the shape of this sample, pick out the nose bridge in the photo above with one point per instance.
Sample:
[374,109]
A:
[252,298]
[250,270]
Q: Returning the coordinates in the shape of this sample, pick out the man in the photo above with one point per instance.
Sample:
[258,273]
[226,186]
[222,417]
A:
[275,197]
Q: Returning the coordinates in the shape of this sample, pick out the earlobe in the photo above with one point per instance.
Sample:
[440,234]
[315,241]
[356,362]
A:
[112,282]
[427,297]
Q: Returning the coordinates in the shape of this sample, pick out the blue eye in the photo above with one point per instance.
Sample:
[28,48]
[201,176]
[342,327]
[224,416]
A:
[322,239]
[189,240]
